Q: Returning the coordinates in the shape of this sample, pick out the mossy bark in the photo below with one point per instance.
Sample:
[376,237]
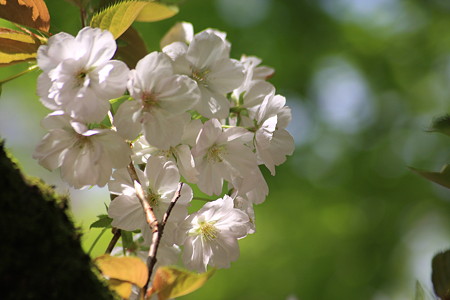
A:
[40,251]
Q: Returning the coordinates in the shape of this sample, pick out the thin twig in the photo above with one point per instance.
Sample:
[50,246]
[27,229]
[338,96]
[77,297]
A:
[202,199]
[96,241]
[151,260]
[82,16]
[32,68]
[148,210]
[117,233]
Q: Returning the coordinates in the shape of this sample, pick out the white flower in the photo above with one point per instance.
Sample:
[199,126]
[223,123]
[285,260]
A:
[160,181]
[272,141]
[253,75]
[206,60]
[246,206]
[86,157]
[180,32]
[252,187]
[210,236]
[222,154]
[79,76]
[162,99]
[180,154]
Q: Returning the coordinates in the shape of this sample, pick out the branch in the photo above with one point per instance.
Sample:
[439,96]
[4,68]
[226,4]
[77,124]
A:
[148,210]
[117,233]
[151,260]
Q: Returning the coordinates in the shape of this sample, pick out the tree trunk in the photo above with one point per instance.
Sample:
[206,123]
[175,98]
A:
[40,251]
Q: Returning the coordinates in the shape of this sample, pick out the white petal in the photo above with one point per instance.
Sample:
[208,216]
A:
[185,163]
[212,104]
[99,44]
[59,47]
[127,213]
[225,76]
[180,32]
[177,94]
[51,150]
[109,80]
[205,49]
[127,119]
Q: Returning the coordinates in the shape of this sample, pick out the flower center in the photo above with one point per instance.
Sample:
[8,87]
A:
[82,141]
[200,76]
[214,153]
[149,100]
[208,231]
[167,153]
[152,198]
[82,78]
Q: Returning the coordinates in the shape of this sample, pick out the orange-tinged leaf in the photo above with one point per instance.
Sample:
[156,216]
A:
[122,288]
[155,11]
[16,46]
[130,269]
[172,282]
[31,13]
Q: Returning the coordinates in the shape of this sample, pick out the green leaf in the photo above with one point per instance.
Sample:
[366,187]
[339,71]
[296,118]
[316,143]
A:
[172,282]
[442,177]
[155,11]
[421,294]
[440,274]
[118,17]
[441,125]
[104,221]
[16,47]
[31,13]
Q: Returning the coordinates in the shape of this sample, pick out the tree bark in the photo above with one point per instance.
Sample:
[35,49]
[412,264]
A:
[40,251]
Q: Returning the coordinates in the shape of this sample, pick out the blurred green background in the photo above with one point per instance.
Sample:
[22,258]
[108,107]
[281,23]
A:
[345,218]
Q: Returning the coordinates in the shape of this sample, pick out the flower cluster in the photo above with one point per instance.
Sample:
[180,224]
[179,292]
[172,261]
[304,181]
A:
[189,114]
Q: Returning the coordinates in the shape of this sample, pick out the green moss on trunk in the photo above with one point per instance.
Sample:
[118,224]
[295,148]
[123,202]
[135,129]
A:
[40,251]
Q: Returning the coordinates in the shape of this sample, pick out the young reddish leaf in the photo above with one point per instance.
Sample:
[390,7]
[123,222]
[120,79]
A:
[131,47]
[16,46]
[440,275]
[126,268]
[31,13]
[155,11]
[171,282]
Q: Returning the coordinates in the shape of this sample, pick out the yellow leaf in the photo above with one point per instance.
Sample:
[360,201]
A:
[122,288]
[129,269]
[172,282]
[155,11]
[31,13]
[118,17]
[16,46]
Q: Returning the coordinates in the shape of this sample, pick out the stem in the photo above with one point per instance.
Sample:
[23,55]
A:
[96,240]
[117,232]
[82,16]
[33,67]
[202,199]
[151,260]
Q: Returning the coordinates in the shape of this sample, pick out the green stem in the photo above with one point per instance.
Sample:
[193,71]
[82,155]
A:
[32,68]
[96,240]
[202,199]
